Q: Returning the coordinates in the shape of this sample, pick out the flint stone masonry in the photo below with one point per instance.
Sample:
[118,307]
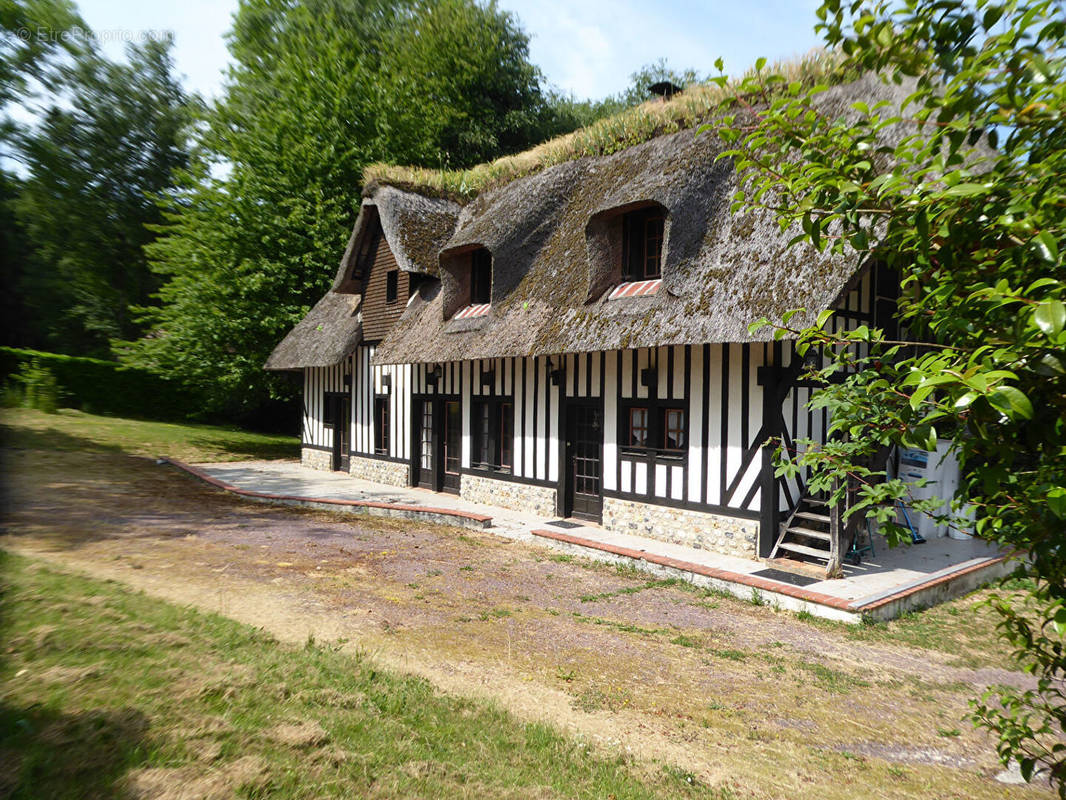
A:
[700,529]
[539,500]
[390,473]
[316,459]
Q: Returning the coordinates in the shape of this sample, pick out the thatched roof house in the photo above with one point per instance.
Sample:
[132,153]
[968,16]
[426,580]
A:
[567,331]
[416,228]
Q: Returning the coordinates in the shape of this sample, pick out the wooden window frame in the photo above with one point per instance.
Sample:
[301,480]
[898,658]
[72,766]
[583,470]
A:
[665,429]
[644,428]
[492,417]
[392,286]
[328,396]
[656,417]
[480,277]
[643,233]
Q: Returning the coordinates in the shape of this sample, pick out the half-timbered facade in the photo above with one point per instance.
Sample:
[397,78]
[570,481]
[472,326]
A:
[576,343]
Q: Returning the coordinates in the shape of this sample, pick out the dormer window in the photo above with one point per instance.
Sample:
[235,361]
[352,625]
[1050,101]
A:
[467,282]
[480,277]
[628,250]
[642,245]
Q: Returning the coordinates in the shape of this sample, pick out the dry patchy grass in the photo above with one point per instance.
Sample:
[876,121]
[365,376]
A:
[670,682]
[155,700]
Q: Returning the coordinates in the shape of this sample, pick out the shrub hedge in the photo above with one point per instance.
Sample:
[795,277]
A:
[106,387]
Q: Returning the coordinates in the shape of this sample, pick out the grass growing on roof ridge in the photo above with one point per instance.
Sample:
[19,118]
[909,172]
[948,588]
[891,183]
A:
[611,134]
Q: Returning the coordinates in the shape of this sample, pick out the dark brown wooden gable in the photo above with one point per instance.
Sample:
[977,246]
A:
[379,315]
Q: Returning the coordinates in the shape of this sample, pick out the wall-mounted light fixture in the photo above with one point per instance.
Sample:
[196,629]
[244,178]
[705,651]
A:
[649,376]
[386,384]
[433,376]
[488,379]
[347,381]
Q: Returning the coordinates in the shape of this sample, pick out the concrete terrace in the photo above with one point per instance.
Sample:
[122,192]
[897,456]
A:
[882,586]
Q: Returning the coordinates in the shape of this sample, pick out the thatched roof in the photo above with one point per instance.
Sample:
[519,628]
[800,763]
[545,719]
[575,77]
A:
[416,228]
[721,271]
[328,334]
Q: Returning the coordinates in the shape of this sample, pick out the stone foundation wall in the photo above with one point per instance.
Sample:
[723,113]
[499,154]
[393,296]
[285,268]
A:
[539,500]
[391,473]
[316,459]
[700,529]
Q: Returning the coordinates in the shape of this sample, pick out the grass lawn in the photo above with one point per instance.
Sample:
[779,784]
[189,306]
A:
[76,430]
[108,691]
[105,691]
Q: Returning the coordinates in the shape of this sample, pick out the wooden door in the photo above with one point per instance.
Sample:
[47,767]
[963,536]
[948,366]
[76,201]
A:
[584,446]
[453,439]
[426,444]
[342,430]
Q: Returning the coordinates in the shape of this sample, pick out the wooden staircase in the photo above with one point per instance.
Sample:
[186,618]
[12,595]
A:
[808,533]
[816,531]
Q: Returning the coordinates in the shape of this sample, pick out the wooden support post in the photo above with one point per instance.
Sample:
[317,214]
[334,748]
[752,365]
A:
[773,424]
[836,534]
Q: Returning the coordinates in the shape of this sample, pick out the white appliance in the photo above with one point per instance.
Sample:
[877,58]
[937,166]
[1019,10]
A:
[940,468]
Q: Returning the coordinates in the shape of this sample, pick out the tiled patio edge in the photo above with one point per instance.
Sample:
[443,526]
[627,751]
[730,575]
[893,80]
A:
[946,584]
[792,598]
[446,516]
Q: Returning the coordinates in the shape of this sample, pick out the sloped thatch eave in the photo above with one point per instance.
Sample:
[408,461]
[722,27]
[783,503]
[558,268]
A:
[329,333]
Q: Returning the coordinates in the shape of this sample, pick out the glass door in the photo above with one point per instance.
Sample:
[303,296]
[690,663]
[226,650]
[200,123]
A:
[425,457]
[453,438]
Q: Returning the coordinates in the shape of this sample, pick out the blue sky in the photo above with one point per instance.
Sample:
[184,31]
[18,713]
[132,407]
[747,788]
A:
[585,47]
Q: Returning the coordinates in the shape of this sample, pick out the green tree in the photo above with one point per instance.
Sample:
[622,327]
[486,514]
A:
[33,35]
[457,87]
[96,159]
[969,205]
[318,90]
[13,317]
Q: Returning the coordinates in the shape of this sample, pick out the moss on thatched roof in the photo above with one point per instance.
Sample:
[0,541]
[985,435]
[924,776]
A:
[416,228]
[541,216]
[630,127]
[721,270]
